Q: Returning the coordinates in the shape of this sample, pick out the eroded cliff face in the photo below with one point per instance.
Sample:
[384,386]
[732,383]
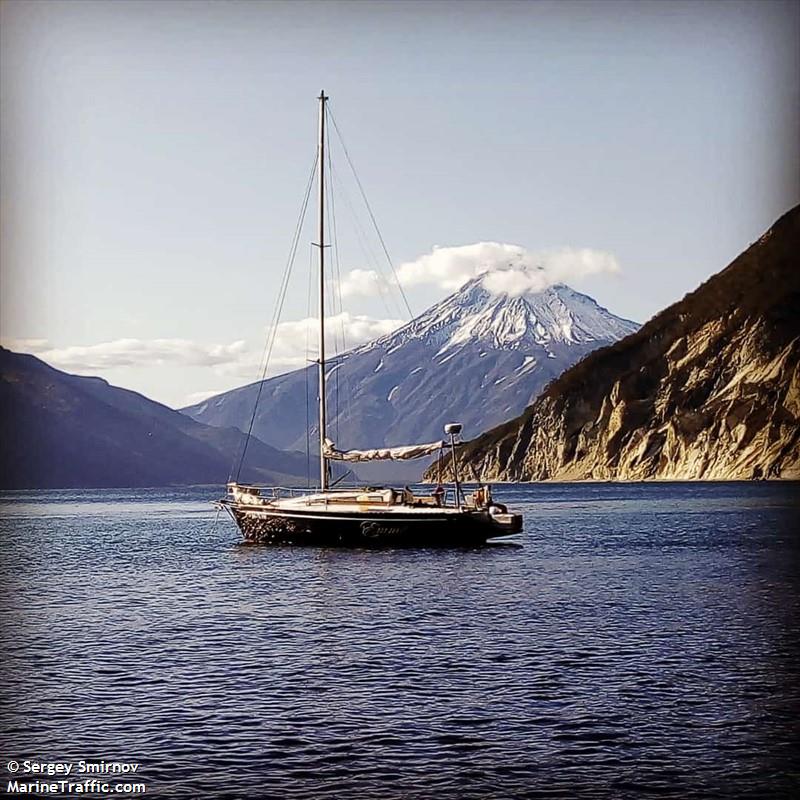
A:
[708,389]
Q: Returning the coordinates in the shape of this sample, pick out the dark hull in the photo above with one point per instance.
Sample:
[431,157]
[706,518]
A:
[366,530]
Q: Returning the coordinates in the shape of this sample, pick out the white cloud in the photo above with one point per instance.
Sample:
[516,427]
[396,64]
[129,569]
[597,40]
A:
[295,343]
[451,267]
[133,353]
[508,268]
[26,345]
[514,282]
[361,283]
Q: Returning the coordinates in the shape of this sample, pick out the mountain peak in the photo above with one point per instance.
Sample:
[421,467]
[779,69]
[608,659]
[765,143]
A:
[706,390]
[504,320]
[477,356]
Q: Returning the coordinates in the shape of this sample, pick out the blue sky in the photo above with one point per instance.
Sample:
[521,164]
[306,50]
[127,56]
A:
[154,157]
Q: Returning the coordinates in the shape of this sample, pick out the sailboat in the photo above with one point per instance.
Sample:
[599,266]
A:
[370,516]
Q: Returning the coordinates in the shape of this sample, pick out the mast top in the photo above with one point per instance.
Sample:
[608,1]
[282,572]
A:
[322,95]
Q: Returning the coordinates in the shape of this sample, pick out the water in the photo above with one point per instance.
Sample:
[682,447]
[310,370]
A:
[642,642]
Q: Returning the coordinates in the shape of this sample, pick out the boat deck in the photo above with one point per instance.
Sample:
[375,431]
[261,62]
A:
[385,501]
[364,517]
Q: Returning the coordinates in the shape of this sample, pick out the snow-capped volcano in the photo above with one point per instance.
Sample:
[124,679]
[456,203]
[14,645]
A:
[477,357]
[473,314]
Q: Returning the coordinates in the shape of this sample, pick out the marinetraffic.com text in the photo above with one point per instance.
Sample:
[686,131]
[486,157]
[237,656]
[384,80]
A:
[73,778]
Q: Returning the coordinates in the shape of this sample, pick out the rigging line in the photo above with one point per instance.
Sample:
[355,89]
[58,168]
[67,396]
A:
[216,519]
[361,234]
[366,249]
[307,369]
[337,261]
[272,331]
[330,297]
[332,196]
[372,216]
[333,371]
[338,283]
[363,238]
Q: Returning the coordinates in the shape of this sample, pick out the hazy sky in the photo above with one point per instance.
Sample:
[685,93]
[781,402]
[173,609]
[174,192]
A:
[154,157]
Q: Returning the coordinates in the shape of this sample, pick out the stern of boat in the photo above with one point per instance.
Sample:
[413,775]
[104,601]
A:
[506,522]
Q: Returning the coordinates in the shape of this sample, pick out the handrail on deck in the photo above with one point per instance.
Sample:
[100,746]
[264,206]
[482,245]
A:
[273,491]
[276,492]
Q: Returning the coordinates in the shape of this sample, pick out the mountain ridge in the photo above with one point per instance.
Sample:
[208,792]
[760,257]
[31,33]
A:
[707,389]
[69,431]
[476,357]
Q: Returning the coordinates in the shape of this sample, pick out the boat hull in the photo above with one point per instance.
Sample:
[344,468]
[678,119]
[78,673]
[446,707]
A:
[274,527]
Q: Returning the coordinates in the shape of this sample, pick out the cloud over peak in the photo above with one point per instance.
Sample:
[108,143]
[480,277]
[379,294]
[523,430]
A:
[508,268]
[361,282]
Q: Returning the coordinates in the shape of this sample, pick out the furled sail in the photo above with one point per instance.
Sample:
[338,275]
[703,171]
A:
[383,453]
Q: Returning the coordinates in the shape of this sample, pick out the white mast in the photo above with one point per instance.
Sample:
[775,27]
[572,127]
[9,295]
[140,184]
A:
[323,466]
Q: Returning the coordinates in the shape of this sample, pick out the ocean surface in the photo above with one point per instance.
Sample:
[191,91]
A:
[637,641]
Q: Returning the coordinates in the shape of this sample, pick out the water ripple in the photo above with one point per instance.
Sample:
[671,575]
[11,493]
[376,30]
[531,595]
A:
[642,643]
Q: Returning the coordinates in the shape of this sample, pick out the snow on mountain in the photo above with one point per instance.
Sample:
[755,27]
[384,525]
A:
[477,357]
[707,390]
[474,314]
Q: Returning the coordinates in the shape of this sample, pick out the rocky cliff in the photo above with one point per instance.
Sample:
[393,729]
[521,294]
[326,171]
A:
[708,389]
